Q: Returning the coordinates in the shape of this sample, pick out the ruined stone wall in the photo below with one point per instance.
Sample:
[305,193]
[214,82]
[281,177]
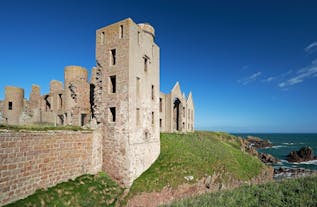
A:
[162,108]
[113,61]
[1,113]
[35,103]
[190,114]
[181,119]
[76,96]
[144,85]
[34,160]
[13,105]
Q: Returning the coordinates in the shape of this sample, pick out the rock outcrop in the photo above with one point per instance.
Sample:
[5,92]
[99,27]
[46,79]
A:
[267,158]
[258,143]
[302,155]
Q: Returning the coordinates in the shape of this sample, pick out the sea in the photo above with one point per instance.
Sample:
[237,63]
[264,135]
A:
[283,144]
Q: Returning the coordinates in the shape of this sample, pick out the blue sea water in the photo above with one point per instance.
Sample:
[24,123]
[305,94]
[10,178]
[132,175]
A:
[283,144]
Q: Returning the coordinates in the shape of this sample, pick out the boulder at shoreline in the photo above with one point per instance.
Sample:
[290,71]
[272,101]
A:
[302,155]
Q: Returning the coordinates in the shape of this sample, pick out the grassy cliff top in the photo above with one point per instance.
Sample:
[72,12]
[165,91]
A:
[197,154]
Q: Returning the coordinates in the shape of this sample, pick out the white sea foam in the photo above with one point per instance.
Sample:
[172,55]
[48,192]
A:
[311,162]
[276,147]
[288,143]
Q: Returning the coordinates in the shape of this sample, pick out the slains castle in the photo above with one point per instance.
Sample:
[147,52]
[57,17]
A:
[122,101]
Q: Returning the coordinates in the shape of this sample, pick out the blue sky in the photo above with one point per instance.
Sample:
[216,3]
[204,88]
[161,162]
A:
[251,65]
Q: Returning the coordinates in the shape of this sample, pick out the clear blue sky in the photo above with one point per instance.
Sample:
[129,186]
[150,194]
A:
[251,65]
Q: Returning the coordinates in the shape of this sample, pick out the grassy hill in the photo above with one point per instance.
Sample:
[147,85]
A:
[196,154]
[295,192]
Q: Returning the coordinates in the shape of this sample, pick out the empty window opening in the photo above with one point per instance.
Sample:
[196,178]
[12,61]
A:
[146,63]
[121,32]
[152,117]
[113,84]
[183,111]
[161,105]
[83,119]
[152,92]
[113,56]
[176,110]
[146,135]
[47,103]
[160,123]
[138,116]
[102,38]
[92,99]
[60,100]
[112,117]
[61,119]
[10,105]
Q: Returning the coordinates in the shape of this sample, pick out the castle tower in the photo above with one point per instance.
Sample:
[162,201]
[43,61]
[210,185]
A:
[76,102]
[13,105]
[126,99]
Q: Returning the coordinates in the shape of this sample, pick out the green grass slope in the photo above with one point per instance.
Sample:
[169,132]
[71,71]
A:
[196,154]
[295,192]
[87,190]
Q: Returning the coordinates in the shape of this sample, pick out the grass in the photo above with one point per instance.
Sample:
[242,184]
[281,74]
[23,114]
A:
[295,192]
[41,128]
[87,190]
[196,154]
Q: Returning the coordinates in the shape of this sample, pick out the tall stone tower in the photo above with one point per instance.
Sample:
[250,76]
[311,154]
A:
[126,98]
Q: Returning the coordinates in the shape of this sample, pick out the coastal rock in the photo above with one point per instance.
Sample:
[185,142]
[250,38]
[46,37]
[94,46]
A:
[267,158]
[258,143]
[281,173]
[303,155]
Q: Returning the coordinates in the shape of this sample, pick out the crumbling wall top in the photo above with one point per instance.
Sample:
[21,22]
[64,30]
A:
[147,28]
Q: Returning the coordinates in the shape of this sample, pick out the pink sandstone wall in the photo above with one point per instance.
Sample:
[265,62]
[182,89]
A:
[34,160]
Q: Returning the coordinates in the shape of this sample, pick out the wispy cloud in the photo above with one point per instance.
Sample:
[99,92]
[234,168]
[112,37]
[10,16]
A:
[311,47]
[250,78]
[301,75]
[269,79]
[280,77]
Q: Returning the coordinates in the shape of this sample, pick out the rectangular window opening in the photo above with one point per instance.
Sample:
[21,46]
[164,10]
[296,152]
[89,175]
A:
[146,62]
[47,104]
[160,123]
[113,84]
[102,38]
[121,31]
[161,105]
[152,117]
[10,105]
[60,100]
[112,117]
[152,92]
[113,56]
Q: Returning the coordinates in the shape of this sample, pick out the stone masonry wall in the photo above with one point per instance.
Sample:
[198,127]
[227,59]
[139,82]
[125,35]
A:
[34,160]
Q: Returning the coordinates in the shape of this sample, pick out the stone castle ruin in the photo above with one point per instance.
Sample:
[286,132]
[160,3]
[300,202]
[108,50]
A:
[122,101]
